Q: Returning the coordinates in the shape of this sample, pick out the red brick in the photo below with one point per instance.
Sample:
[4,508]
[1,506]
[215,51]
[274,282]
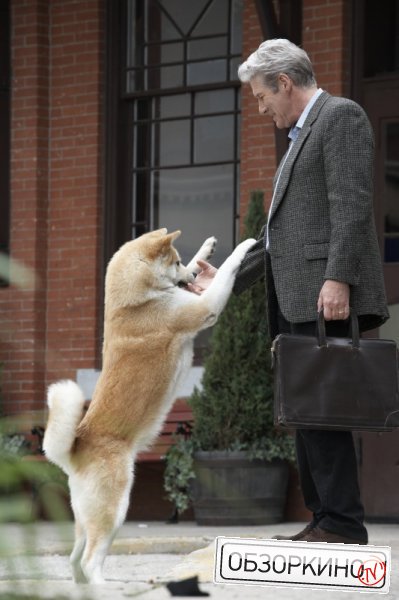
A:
[57,182]
[72,163]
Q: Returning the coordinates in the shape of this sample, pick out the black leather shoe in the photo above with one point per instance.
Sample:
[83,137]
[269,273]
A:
[297,536]
[317,534]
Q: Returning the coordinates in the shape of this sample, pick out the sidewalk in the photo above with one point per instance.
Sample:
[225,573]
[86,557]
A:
[143,557]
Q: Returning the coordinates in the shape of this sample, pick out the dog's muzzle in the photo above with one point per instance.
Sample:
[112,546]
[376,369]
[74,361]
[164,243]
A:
[190,278]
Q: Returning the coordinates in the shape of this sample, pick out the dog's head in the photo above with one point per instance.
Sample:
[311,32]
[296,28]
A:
[157,247]
[145,266]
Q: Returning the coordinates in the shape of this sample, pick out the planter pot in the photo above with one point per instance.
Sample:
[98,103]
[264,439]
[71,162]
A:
[231,489]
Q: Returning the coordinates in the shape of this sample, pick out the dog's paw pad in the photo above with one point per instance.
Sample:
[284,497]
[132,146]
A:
[209,246]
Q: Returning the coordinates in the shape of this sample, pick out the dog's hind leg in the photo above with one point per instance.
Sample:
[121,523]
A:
[77,553]
[102,510]
[96,549]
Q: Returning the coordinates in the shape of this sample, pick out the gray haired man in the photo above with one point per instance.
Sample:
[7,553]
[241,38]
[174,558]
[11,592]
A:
[318,251]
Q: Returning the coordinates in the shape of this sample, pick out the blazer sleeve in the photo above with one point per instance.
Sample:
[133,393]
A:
[348,161]
[252,267]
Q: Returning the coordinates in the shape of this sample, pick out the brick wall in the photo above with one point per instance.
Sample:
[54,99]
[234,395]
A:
[325,36]
[74,265]
[258,154]
[23,307]
[50,329]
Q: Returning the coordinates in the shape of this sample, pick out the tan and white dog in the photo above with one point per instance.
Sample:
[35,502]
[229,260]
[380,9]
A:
[150,323]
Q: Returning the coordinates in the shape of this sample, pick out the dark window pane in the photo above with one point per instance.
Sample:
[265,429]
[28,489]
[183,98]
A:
[214,139]
[173,143]
[391,196]
[381,37]
[217,101]
[141,188]
[143,110]
[159,26]
[177,105]
[234,64]
[211,71]
[207,48]
[238,130]
[151,22]
[142,145]
[165,77]
[215,19]
[165,53]
[184,14]
[199,202]
[236,27]
[131,82]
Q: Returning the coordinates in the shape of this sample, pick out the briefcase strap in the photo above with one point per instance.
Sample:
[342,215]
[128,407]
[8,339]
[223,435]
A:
[354,329]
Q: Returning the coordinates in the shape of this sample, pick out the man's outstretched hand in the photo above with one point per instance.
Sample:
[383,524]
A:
[203,279]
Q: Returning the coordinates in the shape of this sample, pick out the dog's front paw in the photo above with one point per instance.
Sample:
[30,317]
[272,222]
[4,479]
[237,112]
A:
[235,259]
[208,248]
[242,248]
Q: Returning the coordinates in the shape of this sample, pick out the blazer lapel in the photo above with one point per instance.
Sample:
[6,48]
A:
[286,167]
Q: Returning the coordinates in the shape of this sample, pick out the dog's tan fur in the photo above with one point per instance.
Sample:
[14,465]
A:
[149,327]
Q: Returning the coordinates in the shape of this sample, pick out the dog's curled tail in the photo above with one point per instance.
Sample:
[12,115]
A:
[66,402]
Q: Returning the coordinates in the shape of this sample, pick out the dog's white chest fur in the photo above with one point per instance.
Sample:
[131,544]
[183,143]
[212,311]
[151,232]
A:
[181,371]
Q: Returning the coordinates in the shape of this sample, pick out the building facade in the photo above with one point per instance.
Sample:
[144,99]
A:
[121,116]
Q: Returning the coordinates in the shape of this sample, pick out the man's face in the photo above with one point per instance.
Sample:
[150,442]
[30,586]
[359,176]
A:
[277,105]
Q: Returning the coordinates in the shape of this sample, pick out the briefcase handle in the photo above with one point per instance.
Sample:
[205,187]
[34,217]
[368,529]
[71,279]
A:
[354,329]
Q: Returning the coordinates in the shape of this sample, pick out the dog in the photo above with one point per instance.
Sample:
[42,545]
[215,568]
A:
[150,322]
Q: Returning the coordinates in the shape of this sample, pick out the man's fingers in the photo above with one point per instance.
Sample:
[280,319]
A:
[195,289]
[335,313]
[203,264]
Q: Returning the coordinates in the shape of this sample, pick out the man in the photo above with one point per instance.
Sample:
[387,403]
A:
[320,251]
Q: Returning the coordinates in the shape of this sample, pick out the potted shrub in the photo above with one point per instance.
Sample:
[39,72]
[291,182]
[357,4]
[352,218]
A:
[234,466]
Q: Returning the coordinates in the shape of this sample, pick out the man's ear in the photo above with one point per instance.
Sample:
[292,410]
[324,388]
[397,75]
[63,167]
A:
[284,82]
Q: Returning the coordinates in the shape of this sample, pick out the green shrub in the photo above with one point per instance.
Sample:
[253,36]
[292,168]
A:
[234,408]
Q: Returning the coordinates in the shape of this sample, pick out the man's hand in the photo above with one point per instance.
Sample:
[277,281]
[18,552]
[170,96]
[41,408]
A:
[203,279]
[334,299]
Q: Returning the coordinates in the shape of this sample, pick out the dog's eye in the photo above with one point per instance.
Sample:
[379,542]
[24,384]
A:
[178,263]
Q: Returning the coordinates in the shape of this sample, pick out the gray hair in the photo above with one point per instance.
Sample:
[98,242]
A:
[274,57]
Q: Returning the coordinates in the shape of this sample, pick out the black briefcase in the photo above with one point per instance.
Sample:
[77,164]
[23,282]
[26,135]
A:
[335,383]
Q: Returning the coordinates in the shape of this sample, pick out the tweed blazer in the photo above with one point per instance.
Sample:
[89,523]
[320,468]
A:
[321,224]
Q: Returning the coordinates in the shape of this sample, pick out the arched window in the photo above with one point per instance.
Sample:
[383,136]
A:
[180,124]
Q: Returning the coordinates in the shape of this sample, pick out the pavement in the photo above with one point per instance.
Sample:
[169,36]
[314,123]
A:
[34,562]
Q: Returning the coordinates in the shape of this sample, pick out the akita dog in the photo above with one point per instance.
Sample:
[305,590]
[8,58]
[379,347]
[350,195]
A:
[150,323]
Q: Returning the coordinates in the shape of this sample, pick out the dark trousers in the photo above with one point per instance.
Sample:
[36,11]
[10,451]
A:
[327,462]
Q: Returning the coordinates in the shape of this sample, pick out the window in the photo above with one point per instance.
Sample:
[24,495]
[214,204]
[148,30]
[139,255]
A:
[180,81]
[381,37]
[391,195]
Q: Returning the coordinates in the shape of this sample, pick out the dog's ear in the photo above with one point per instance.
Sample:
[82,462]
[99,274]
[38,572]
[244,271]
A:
[162,244]
[167,241]
[159,232]
[173,236]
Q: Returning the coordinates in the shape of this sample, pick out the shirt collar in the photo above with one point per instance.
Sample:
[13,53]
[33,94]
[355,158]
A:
[299,124]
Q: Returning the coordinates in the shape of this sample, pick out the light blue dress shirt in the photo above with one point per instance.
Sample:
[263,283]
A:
[293,134]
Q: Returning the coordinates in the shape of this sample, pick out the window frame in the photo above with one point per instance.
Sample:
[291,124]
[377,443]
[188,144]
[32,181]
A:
[118,152]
